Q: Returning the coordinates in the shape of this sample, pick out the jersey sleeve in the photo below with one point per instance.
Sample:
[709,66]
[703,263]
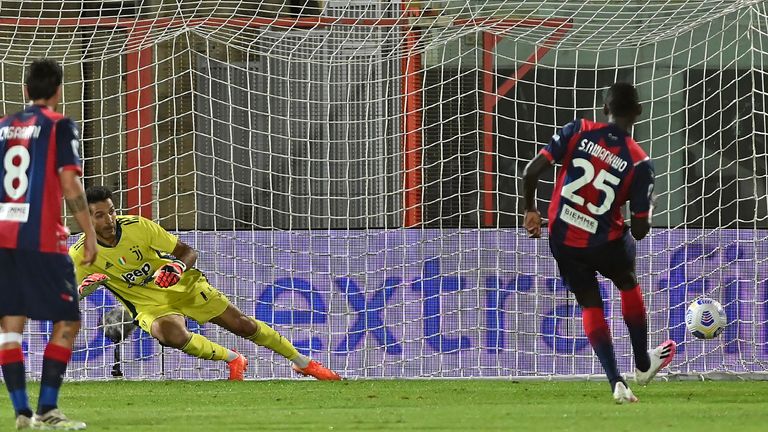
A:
[641,191]
[67,146]
[558,145]
[159,239]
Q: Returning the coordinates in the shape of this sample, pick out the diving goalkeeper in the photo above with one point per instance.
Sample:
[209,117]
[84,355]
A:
[151,272]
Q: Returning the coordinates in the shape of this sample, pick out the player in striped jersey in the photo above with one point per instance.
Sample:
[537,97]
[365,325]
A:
[39,149]
[602,168]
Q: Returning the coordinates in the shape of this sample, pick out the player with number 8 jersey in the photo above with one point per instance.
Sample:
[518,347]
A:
[36,145]
[40,163]
[602,168]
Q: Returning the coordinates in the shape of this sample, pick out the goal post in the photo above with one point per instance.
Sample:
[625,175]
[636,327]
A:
[348,171]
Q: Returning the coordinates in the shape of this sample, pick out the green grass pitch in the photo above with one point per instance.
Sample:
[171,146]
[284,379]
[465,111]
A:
[407,405]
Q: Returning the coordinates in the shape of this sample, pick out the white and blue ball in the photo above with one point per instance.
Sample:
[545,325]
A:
[705,318]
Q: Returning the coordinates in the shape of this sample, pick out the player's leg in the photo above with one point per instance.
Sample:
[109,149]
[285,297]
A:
[52,295]
[633,312]
[599,336]
[12,362]
[596,328]
[619,259]
[258,332]
[579,276]
[12,320]
[171,331]
[56,358]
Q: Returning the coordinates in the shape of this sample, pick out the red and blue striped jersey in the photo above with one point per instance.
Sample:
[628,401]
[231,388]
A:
[35,145]
[602,169]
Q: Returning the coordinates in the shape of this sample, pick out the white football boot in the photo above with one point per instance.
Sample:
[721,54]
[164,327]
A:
[622,394]
[55,420]
[661,357]
[23,422]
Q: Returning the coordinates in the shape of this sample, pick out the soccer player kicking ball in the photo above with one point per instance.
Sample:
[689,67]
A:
[160,290]
[602,168]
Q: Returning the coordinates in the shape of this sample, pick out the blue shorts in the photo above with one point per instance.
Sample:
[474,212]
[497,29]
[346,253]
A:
[578,267]
[38,285]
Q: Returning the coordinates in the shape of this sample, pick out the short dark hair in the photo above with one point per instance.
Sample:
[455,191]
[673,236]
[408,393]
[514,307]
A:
[622,100]
[96,194]
[44,76]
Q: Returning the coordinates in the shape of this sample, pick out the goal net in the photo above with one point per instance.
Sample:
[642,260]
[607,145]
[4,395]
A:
[348,171]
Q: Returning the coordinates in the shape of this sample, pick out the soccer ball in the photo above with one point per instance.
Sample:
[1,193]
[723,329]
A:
[705,318]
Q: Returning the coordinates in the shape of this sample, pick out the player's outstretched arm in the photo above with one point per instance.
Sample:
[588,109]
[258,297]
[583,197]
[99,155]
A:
[531,174]
[74,195]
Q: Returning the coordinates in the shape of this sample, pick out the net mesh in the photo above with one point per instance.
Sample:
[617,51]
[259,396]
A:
[348,170]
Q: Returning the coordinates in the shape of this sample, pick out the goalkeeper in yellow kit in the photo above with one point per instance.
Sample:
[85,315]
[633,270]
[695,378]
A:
[151,272]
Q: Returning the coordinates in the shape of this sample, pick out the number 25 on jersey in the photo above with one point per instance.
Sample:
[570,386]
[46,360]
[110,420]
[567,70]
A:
[604,182]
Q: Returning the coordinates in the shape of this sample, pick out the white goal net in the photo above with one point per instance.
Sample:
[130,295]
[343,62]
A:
[348,170]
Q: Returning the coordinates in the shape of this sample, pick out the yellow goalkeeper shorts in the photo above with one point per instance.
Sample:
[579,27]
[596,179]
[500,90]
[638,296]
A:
[203,303]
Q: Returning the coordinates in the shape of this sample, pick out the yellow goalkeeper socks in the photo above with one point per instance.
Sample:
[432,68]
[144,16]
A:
[269,338]
[200,347]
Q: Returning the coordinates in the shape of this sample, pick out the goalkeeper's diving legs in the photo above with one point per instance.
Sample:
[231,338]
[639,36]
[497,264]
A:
[260,333]
[171,331]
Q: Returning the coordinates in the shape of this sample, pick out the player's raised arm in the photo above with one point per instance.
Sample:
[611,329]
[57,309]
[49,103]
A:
[68,166]
[74,195]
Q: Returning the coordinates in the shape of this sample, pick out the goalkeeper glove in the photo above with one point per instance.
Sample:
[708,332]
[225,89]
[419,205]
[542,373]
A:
[91,283]
[169,274]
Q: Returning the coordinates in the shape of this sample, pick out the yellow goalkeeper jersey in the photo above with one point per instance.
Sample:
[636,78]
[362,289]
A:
[142,247]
